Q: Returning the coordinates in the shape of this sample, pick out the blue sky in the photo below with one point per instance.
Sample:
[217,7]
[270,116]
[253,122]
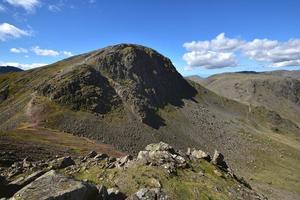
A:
[231,35]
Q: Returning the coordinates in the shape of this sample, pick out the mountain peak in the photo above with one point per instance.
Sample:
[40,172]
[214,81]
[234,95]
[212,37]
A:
[130,76]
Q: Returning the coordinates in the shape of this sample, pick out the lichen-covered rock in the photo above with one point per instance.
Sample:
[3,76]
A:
[57,187]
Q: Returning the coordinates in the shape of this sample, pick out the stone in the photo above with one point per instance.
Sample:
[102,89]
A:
[218,159]
[115,194]
[91,154]
[56,186]
[101,156]
[63,162]
[199,154]
[26,163]
[161,146]
[149,194]
[123,160]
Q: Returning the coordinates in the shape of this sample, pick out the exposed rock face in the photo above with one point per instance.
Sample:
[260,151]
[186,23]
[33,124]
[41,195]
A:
[121,76]
[55,186]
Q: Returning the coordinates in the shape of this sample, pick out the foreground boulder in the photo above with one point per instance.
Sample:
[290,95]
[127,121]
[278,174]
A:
[56,186]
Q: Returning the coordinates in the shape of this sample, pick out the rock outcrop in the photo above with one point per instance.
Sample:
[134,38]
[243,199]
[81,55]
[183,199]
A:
[161,160]
[56,186]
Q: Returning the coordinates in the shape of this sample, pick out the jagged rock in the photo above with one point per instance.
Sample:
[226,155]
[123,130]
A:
[63,162]
[161,146]
[56,186]
[101,156]
[122,161]
[199,154]
[218,159]
[26,163]
[149,194]
[91,154]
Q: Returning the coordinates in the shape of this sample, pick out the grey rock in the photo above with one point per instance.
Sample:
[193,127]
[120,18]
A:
[63,162]
[199,154]
[57,187]
[149,194]
[161,146]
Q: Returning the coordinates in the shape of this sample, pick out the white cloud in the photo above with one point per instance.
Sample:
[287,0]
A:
[18,50]
[44,52]
[28,5]
[8,31]
[23,66]
[278,54]
[220,43]
[212,54]
[220,52]
[49,52]
[209,59]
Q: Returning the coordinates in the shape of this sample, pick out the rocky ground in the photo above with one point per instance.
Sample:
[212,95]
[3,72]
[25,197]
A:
[158,172]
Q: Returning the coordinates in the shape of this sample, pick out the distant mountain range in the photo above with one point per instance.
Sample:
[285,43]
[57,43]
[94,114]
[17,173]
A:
[6,69]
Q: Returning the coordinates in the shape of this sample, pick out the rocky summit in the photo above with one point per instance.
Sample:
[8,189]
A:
[139,77]
[158,173]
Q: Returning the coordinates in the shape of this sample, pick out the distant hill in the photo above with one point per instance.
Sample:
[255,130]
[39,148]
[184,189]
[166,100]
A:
[6,69]
[275,90]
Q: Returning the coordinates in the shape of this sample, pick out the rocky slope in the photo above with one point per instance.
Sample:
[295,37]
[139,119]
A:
[158,172]
[276,91]
[129,96]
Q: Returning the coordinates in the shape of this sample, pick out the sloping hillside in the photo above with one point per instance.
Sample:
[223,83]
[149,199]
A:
[129,96]
[276,90]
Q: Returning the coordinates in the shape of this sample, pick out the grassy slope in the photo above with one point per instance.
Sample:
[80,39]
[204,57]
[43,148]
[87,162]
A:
[188,184]
[210,122]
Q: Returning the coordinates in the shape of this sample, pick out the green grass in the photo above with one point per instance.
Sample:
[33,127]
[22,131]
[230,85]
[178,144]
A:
[187,184]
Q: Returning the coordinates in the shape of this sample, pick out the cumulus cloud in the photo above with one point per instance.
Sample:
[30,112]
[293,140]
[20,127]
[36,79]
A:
[221,52]
[49,52]
[18,50]
[28,5]
[23,66]
[44,52]
[209,59]
[216,53]
[278,54]
[8,31]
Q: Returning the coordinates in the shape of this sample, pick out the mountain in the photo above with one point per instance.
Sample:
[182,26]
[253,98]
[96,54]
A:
[120,98]
[277,90]
[6,69]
